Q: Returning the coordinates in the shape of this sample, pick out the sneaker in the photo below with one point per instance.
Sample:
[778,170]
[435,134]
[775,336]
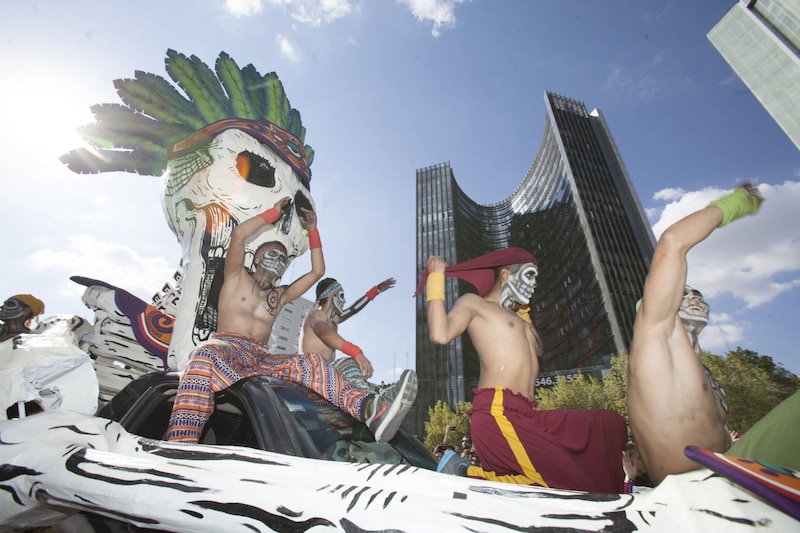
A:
[452,463]
[391,405]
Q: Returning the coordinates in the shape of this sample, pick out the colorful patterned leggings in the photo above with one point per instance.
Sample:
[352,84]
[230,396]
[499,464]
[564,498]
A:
[228,357]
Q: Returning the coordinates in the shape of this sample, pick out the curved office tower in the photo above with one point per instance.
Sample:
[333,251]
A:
[577,212]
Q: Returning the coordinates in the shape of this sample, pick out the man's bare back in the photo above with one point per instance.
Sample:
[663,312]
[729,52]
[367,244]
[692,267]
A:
[311,343]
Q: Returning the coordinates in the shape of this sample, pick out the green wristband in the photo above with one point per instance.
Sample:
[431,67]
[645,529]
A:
[737,204]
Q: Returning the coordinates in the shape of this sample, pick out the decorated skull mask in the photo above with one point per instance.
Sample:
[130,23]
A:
[518,288]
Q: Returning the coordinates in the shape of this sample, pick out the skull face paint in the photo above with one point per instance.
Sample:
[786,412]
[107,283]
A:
[339,301]
[694,310]
[270,262]
[519,286]
[693,306]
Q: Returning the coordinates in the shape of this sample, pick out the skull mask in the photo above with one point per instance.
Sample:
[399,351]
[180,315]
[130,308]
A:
[517,289]
[693,311]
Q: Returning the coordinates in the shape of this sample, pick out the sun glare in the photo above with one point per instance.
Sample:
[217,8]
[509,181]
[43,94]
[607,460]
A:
[41,114]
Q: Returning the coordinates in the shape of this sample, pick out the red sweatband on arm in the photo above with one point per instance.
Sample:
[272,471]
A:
[271,215]
[373,292]
[350,349]
[314,241]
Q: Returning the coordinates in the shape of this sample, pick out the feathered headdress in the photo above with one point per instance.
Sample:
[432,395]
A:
[157,121]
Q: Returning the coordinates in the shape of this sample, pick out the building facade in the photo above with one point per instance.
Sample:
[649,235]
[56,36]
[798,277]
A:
[285,335]
[760,40]
[576,210]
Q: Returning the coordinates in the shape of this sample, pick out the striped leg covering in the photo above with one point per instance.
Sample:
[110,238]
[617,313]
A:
[314,372]
[208,372]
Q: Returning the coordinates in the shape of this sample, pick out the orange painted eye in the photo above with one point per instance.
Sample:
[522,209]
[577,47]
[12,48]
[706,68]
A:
[255,169]
[243,165]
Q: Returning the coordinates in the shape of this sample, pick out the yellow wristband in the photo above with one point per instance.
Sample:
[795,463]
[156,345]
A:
[435,286]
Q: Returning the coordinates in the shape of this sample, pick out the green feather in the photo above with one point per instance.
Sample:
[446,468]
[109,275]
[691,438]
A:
[85,161]
[309,155]
[121,119]
[154,96]
[294,124]
[277,105]
[234,84]
[216,98]
[101,137]
[181,69]
[253,87]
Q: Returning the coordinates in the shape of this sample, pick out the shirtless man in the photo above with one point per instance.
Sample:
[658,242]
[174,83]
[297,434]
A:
[16,314]
[565,448]
[248,305]
[321,327]
[673,400]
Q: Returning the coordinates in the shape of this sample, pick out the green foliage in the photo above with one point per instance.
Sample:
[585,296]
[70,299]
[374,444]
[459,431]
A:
[587,392]
[753,383]
[439,417]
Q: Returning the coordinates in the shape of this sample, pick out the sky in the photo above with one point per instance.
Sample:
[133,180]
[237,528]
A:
[386,88]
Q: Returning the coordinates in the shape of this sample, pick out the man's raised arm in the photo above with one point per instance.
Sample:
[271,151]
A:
[370,295]
[234,260]
[663,289]
[308,219]
[443,326]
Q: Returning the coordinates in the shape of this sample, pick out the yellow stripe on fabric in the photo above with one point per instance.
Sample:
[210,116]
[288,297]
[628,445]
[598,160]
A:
[516,479]
[510,435]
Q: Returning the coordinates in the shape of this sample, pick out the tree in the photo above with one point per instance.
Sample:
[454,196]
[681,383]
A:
[587,392]
[753,384]
[439,417]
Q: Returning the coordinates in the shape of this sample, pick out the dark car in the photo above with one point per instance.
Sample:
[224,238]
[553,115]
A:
[267,414]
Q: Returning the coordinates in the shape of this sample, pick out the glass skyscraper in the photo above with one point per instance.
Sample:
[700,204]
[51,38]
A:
[760,40]
[576,210]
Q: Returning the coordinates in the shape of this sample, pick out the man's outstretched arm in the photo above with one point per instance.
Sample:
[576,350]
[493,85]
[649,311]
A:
[334,341]
[663,289]
[370,295]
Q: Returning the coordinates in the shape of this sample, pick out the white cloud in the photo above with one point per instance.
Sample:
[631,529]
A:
[754,259]
[113,263]
[243,8]
[315,12]
[722,333]
[644,86]
[440,12]
[669,194]
[287,48]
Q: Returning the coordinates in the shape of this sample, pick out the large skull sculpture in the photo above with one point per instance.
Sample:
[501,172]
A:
[206,193]
[227,147]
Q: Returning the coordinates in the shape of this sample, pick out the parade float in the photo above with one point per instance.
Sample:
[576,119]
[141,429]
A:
[227,145]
